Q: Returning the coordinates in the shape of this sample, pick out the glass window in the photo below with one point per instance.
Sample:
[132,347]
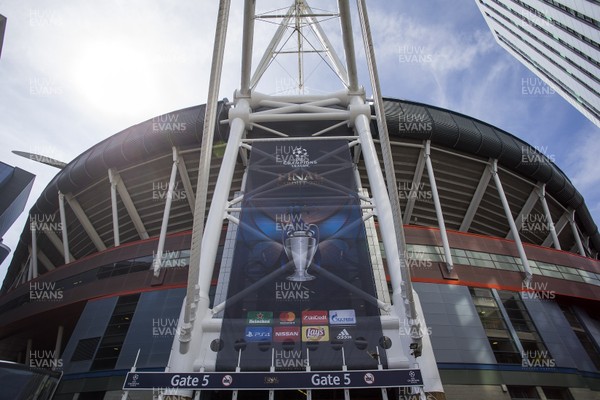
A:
[553,274]
[522,392]
[557,393]
[461,260]
[478,255]
[115,333]
[482,263]
[584,337]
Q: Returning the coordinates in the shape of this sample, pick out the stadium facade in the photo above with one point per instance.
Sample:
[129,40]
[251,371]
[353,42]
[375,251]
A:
[556,40]
[490,334]
[468,268]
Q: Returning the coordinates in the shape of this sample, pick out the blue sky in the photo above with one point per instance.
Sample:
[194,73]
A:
[73,73]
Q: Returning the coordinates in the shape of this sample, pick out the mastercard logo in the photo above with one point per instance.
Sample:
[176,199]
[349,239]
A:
[287,316]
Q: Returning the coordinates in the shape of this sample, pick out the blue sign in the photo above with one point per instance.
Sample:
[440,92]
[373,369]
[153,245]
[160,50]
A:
[274,380]
[258,334]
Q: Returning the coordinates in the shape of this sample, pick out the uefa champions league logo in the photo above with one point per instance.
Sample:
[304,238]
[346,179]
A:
[293,156]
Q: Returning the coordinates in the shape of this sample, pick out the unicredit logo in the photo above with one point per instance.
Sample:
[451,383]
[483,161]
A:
[314,317]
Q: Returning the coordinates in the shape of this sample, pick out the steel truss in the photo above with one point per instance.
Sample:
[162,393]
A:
[348,107]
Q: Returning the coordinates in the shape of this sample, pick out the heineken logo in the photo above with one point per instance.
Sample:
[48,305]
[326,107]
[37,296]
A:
[260,318]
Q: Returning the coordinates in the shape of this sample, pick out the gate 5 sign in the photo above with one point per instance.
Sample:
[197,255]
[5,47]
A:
[273,380]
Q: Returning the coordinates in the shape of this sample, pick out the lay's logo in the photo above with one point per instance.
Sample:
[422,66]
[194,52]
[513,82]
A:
[315,333]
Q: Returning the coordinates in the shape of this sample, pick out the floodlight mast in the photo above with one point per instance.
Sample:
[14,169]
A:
[198,325]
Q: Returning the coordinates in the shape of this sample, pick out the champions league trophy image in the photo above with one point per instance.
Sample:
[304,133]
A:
[300,247]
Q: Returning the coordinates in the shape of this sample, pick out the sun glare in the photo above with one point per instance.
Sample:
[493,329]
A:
[115,77]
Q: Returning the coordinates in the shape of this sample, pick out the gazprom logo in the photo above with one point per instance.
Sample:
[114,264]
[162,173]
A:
[342,317]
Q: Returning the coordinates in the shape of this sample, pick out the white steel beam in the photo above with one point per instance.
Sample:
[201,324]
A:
[44,260]
[558,228]
[337,64]
[85,222]
[113,203]
[348,38]
[438,207]
[476,200]
[511,223]
[269,54]
[247,40]
[551,228]
[187,184]
[166,213]
[412,198]
[34,259]
[58,345]
[193,301]
[130,207]
[526,209]
[395,231]
[63,221]
[571,216]
[183,356]
[55,240]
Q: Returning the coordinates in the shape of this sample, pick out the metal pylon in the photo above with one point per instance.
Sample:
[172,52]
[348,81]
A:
[198,326]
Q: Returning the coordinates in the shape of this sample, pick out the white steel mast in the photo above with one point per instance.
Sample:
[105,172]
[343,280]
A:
[198,325]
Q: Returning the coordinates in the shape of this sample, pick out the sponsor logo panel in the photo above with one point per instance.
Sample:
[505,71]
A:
[343,334]
[283,333]
[260,317]
[314,317]
[342,317]
[319,333]
[287,318]
[258,334]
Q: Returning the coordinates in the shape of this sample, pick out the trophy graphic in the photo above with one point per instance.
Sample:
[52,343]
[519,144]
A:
[300,246]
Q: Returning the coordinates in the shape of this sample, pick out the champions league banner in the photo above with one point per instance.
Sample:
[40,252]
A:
[301,286]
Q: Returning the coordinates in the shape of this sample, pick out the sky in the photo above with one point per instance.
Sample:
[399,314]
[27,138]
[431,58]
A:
[73,73]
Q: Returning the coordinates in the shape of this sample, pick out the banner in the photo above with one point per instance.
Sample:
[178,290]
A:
[273,380]
[301,286]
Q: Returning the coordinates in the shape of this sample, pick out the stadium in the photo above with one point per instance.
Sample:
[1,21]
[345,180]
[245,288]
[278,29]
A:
[106,303]
[305,246]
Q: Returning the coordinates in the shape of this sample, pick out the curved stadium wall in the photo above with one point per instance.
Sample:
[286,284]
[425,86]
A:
[489,333]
